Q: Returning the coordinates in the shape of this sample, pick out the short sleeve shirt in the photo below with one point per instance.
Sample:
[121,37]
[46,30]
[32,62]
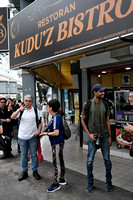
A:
[56,123]
[97,127]
[28,126]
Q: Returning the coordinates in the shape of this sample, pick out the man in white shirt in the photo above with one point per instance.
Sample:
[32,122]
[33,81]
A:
[27,136]
[45,112]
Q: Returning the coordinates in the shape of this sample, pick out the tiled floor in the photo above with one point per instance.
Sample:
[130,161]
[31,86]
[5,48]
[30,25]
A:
[75,159]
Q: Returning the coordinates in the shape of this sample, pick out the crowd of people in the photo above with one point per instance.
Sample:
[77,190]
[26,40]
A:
[25,125]
[95,122]
[10,127]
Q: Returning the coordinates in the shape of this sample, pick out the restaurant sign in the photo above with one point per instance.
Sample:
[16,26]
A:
[48,30]
[3,29]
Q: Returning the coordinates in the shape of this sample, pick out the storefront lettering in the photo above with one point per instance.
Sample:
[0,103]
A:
[27,46]
[118,9]
[53,17]
[73,26]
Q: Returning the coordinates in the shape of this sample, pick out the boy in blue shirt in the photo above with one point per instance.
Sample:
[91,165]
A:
[55,133]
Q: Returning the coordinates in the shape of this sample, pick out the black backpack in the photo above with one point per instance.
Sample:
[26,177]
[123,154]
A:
[66,130]
[87,108]
[37,121]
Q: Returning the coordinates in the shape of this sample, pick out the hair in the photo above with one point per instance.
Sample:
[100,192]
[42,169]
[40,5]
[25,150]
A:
[54,104]
[3,99]
[28,96]
[10,99]
[131,90]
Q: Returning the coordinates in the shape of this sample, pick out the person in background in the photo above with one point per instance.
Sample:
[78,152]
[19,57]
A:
[95,121]
[1,127]
[15,124]
[28,136]
[15,104]
[5,115]
[72,116]
[55,133]
[45,112]
[20,103]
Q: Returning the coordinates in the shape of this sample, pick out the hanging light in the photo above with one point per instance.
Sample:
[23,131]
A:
[127,68]
[104,72]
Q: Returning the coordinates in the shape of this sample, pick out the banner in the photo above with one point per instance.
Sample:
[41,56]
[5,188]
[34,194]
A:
[3,29]
[51,29]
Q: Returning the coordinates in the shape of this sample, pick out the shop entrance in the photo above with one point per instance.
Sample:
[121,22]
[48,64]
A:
[115,79]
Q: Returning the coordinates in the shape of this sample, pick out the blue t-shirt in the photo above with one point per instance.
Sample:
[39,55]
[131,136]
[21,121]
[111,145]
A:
[56,123]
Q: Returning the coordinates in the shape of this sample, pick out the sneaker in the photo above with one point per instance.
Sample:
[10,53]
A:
[62,181]
[90,187]
[53,187]
[109,187]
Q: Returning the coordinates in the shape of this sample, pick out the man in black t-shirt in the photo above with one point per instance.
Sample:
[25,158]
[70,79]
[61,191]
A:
[7,127]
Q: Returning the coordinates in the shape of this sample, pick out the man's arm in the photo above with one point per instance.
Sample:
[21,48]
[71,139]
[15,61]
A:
[128,128]
[109,131]
[86,129]
[39,130]
[14,115]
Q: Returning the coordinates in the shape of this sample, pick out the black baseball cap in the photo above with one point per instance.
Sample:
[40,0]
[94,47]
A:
[97,87]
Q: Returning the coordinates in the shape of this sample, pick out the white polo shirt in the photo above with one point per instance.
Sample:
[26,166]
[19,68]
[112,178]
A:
[27,127]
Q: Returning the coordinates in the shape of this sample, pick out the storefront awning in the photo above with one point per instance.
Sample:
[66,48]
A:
[58,78]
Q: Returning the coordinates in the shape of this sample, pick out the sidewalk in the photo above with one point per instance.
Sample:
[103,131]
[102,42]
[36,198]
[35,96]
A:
[31,189]
[75,161]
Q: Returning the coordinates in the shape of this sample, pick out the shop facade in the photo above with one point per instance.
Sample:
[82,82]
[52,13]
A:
[47,38]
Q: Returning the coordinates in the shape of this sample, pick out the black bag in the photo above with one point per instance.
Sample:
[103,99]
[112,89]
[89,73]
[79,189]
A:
[131,150]
[66,130]
[2,144]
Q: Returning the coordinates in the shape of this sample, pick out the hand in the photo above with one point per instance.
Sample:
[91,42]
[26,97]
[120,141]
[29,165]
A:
[36,134]
[109,141]
[43,133]
[22,108]
[128,128]
[92,138]
[8,120]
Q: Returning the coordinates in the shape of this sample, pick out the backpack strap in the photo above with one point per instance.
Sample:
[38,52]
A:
[106,107]
[35,110]
[20,116]
[87,108]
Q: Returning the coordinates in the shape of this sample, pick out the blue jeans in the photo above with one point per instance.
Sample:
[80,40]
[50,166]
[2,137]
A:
[26,145]
[106,156]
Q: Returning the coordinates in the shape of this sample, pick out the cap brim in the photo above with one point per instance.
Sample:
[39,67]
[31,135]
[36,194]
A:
[103,88]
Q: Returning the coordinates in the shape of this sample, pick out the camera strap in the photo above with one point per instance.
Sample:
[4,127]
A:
[101,113]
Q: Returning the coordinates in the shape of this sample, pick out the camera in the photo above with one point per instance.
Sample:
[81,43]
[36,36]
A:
[6,138]
[98,140]
[3,141]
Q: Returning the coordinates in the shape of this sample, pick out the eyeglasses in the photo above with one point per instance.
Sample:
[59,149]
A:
[28,100]
[130,97]
[2,102]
